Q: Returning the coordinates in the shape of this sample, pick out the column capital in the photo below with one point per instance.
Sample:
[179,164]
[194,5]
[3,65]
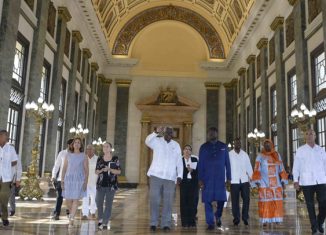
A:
[212,85]
[251,59]
[77,35]
[292,2]
[64,13]
[94,66]
[123,82]
[188,124]
[230,85]
[145,120]
[263,42]
[104,80]
[241,71]
[277,22]
[87,53]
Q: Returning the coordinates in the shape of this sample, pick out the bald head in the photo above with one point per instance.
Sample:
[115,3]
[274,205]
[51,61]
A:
[310,137]
[90,151]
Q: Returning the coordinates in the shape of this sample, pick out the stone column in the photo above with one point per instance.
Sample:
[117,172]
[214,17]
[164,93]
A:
[71,86]
[90,136]
[281,118]
[262,46]
[187,133]
[212,93]
[243,134]
[323,6]
[235,110]
[301,54]
[8,38]
[34,83]
[144,152]
[252,101]
[121,122]
[82,99]
[63,17]
[229,111]
[102,106]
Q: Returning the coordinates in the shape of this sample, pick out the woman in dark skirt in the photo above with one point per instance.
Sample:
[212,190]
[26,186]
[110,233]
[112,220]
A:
[188,188]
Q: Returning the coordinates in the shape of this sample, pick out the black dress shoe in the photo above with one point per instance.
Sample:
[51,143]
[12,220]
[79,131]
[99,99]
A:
[5,222]
[218,222]
[236,222]
[245,222]
[56,217]
[153,228]
[210,227]
[12,213]
[166,229]
[320,228]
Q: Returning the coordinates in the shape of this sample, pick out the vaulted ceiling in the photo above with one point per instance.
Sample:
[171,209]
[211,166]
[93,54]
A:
[121,20]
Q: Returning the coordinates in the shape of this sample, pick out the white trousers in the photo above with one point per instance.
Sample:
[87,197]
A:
[89,203]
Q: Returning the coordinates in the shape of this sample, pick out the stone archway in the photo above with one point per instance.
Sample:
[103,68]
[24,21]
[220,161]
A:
[165,108]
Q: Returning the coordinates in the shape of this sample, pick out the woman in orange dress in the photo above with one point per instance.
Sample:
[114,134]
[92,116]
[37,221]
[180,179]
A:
[270,177]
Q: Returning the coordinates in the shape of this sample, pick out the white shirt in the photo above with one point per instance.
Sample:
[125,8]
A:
[7,156]
[92,176]
[17,170]
[59,164]
[167,159]
[309,167]
[241,169]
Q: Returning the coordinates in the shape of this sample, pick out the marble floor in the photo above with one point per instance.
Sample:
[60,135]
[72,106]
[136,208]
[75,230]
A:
[131,216]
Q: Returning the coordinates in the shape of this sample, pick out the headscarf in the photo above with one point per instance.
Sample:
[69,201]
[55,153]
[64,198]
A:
[272,153]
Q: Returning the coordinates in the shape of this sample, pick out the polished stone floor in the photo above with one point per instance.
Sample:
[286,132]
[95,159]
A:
[131,216]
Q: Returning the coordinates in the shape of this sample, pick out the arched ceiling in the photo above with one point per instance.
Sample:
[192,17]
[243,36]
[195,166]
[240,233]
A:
[226,16]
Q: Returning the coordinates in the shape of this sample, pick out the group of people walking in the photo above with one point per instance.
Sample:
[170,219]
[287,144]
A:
[216,169]
[93,179]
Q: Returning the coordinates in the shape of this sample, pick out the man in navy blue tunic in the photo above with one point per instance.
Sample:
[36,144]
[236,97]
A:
[213,167]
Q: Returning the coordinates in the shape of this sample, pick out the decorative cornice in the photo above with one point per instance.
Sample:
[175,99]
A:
[263,42]
[87,53]
[64,13]
[228,85]
[212,85]
[94,66]
[277,22]
[241,71]
[77,35]
[104,80]
[292,2]
[123,82]
[251,59]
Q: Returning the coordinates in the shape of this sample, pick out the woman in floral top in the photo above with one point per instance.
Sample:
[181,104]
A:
[107,169]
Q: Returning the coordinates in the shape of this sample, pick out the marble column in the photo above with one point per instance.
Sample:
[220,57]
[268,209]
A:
[262,46]
[187,133]
[229,111]
[102,107]
[71,86]
[243,134]
[281,118]
[94,69]
[82,99]
[34,83]
[235,111]
[8,38]
[323,6]
[144,152]
[63,17]
[252,101]
[121,122]
[212,95]
[301,51]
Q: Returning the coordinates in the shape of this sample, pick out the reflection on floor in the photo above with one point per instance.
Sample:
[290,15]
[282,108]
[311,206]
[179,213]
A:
[131,216]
